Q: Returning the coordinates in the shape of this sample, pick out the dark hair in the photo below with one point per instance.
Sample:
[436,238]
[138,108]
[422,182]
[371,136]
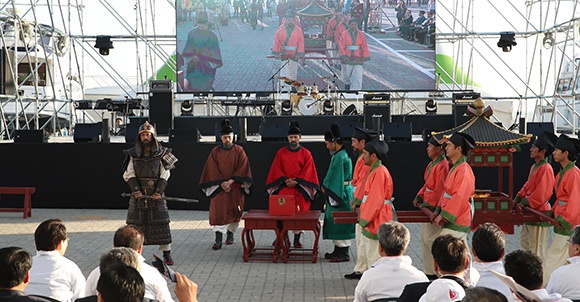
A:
[15,263]
[394,238]
[450,253]
[488,242]
[124,255]
[525,268]
[483,294]
[49,234]
[128,236]
[121,283]
[575,238]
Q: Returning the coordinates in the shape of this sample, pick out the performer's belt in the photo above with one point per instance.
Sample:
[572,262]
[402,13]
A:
[286,47]
[347,183]
[429,190]
[446,195]
[353,47]
[562,202]
[389,201]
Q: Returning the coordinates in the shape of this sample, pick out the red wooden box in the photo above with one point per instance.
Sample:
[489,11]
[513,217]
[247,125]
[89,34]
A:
[283,205]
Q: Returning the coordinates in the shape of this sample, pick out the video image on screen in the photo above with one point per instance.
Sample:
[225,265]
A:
[279,45]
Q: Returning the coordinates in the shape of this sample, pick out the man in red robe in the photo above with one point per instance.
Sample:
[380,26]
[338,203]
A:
[354,52]
[225,179]
[376,206]
[454,212]
[293,173]
[536,194]
[428,197]
[289,47]
[567,206]
[359,138]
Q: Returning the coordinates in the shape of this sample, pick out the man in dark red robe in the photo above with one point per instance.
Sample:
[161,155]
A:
[293,173]
[226,178]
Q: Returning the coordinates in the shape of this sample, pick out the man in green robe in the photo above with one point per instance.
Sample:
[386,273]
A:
[338,192]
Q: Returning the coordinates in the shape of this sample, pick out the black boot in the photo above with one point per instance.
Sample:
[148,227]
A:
[229,238]
[167,257]
[341,255]
[297,243]
[330,255]
[218,241]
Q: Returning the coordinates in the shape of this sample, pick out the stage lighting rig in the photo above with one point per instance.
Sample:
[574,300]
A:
[104,44]
[549,40]
[506,41]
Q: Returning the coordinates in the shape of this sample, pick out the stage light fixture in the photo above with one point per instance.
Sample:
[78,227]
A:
[506,41]
[548,40]
[430,107]
[286,108]
[104,44]
[186,108]
[328,108]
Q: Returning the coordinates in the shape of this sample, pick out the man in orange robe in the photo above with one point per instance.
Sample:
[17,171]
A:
[359,138]
[536,194]
[354,52]
[289,47]
[567,206]
[376,206]
[293,173]
[454,212]
[429,196]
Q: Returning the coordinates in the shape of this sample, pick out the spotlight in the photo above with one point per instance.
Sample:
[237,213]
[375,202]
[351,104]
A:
[104,43]
[506,41]
[328,108]
[186,108]
[286,108]
[430,107]
[548,40]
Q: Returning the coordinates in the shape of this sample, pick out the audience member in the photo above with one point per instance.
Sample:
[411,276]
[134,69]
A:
[15,264]
[483,294]
[525,268]
[566,279]
[389,275]
[53,275]
[451,261]
[488,248]
[120,283]
[130,236]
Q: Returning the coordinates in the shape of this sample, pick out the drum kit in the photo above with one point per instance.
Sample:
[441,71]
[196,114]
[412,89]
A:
[307,98]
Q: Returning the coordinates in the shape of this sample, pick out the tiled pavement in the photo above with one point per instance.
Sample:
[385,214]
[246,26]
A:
[221,275]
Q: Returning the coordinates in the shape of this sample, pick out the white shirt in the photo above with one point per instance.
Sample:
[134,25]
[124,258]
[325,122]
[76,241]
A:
[155,284]
[387,278]
[488,279]
[53,275]
[566,280]
[543,294]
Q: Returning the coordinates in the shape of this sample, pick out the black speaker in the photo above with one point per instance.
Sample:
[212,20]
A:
[88,133]
[132,128]
[459,114]
[161,111]
[398,131]
[30,136]
[382,111]
[274,132]
[184,136]
[538,128]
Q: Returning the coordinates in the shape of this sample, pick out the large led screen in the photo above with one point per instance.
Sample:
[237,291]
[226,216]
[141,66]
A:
[265,45]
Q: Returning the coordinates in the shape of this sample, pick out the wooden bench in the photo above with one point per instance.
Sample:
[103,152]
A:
[27,192]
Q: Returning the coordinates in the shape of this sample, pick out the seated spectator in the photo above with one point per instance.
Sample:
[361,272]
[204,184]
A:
[15,264]
[407,23]
[389,275]
[53,275]
[525,268]
[422,30]
[566,279]
[155,285]
[488,248]
[417,22]
[483,294]
[120,283]
[451,261]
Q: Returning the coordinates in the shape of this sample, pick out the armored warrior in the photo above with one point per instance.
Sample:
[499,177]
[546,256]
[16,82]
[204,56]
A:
[146,171]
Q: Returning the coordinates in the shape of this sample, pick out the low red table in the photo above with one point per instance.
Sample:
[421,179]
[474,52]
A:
[262,220]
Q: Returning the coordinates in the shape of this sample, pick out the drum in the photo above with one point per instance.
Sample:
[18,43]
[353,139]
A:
[308,105]
[314,90]
[302,90]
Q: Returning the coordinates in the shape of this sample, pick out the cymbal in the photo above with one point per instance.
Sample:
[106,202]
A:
[289,81]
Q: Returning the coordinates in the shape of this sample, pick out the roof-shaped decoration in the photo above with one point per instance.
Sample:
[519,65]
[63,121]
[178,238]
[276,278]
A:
[315,9]
[486,133]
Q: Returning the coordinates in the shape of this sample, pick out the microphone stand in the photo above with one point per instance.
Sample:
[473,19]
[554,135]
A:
[272,79]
